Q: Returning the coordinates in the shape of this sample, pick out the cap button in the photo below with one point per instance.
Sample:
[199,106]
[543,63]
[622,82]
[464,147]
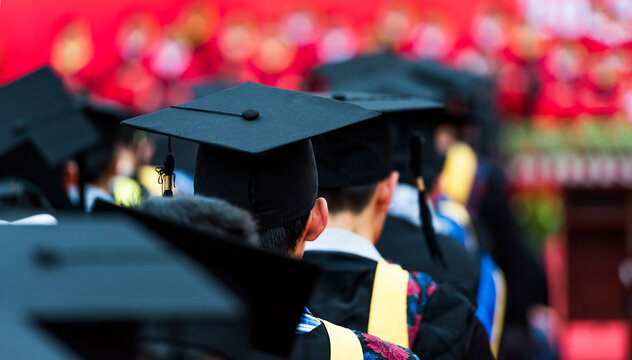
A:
[340,97]
[250,114]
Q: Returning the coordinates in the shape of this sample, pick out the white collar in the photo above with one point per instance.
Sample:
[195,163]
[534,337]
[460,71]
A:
[341,240]
[405,205]
[93,193]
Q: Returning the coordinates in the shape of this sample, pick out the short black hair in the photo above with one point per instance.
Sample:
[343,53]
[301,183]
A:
[353,198]
[284,239]
[204,214]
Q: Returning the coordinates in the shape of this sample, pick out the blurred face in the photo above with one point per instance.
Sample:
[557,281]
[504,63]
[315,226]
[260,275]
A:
[445,135]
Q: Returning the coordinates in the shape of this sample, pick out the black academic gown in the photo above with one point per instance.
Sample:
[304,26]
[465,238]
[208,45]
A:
[448,330]
[315,345]
[405,244]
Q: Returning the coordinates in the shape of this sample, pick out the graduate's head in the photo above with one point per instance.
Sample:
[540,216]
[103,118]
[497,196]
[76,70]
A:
[255,153]
[204,214]
[356,176]
[356,165]
[280,187]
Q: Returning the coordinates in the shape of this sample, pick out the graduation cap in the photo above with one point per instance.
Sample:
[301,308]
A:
[363,153]
[100,287]
[254,145]
[335,75]
[22,339]
[274,287]
[41,130]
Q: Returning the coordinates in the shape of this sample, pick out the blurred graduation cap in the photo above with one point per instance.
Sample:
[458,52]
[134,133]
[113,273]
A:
[22,340]
[254,145]
[275,288]
[363,153]
[102,287]
[41,130]
[336,75]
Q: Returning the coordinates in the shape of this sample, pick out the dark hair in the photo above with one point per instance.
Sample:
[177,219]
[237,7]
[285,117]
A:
[284,239]
[204,214]
[353,198]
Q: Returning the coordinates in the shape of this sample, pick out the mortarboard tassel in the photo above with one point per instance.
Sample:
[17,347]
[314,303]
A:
[166,177]
[416,144]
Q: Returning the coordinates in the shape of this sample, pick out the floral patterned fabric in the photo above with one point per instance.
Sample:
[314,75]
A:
[420,288]
[374,348]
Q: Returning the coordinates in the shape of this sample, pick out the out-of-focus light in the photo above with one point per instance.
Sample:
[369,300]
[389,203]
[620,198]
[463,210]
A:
[513,79]
[471,60]
[605,73]
[171,59]
[145,89]
[290,82]
[274,55]
[301,28]
[432,41]
[565,62]
[137,36]
[72,48]
[626,104]
[395,27]
[197,23]
[608,30]
[338,44]
[527,42]
[239,39]
[488,32]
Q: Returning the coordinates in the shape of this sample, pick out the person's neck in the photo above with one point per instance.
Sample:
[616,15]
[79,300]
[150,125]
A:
[363,224]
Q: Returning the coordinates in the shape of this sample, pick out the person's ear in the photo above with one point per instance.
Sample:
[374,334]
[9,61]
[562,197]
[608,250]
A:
[317,220]
[385,190]
[71,174]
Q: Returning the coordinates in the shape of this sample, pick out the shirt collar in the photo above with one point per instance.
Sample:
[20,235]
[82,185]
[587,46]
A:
[345,241]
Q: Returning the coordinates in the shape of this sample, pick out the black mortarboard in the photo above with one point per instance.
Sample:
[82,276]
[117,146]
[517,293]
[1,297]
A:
[275,288]
[363,153]
[254,149]
[41,130]
[37,110]
[22,340]
[335,75]
[99,287]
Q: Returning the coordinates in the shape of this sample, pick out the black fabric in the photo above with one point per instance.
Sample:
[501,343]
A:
[404,243]
[93,284]
[183,151]
[277,187]
[359,154]
[235,125]
[36,109]
[449,328]
[384,103]
[526,280]
[25,163]
[284,117]
[275,288]
[343,293]
[402,130]
[356,69]
[363,153]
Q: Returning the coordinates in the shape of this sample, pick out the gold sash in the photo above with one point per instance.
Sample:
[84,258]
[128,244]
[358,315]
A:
[343,343]
[387,316]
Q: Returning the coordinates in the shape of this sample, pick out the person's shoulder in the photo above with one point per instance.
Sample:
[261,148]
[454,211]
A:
[375,348]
